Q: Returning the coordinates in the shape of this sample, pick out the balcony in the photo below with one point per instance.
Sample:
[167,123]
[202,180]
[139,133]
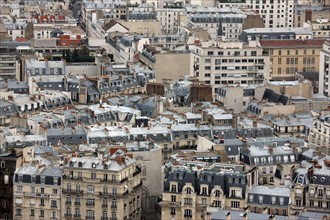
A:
[104,218]
[68,215]
[104,205]
[67,202]
[53,206]
[124,180]
[77,216]
[138,170]
[137,186]
[76,203]
[90,217]
[114,206]
[90,204]
[19,193]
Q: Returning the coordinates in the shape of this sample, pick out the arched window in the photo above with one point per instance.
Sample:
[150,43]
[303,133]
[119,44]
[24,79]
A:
[188,190]
[217,193]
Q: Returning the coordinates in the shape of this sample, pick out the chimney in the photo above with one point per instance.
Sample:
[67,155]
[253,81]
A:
[150,145]
[255,124]
[234,121]
[310,173]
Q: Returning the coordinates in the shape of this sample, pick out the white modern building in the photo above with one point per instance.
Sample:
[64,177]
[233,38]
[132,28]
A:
[219,64]
[324,72]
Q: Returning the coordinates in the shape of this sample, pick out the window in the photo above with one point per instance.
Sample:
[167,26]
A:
[90,214]
[235,204]
[172,211]
[279,61]
[53,203]
[204,190]
[90,188]
[32,212]
[18,212]
[210,53]
[233,193]
[298,202]
[173,198]
[260,199]
[188,190]
[173,188]
[93,175]
[320,192]
[188,201]
[114,191]
[311,203]
[42,202]
[217,193]
[42,213]
[188,213]
[281,201]
[6,179]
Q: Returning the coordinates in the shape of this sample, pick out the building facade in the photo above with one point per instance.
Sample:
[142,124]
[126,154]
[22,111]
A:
[187,195]
[289,57]
[229,63]
[108,188]
[324,71]
[37,192]
[8,164]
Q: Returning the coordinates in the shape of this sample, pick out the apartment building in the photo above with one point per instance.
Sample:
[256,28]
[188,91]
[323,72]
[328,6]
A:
[108,188]
[289,57]
[320,133]
[220,64]
[8,65]
[324,71]
[266,160]
[275,13]
[228,25]
[9,162]
[169,17]
[37,192]
[188,194]
[311,190]
[269,200]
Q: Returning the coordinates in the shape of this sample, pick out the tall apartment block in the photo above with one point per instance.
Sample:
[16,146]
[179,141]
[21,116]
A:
[37,192]
[107,189]
[324,71]
[221,64]
[8,164]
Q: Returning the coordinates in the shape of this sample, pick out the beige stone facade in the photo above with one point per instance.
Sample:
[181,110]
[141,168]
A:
[289,57]
[101,189]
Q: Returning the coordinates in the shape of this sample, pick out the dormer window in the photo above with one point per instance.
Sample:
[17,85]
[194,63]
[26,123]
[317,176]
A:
[93,165]
[105,166]
[173,188]
[204,190]
[71,164]
[217,193]
[188,190]
[80,164]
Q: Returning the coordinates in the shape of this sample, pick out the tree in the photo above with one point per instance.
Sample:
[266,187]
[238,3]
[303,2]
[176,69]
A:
[75,55]
[68,55]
